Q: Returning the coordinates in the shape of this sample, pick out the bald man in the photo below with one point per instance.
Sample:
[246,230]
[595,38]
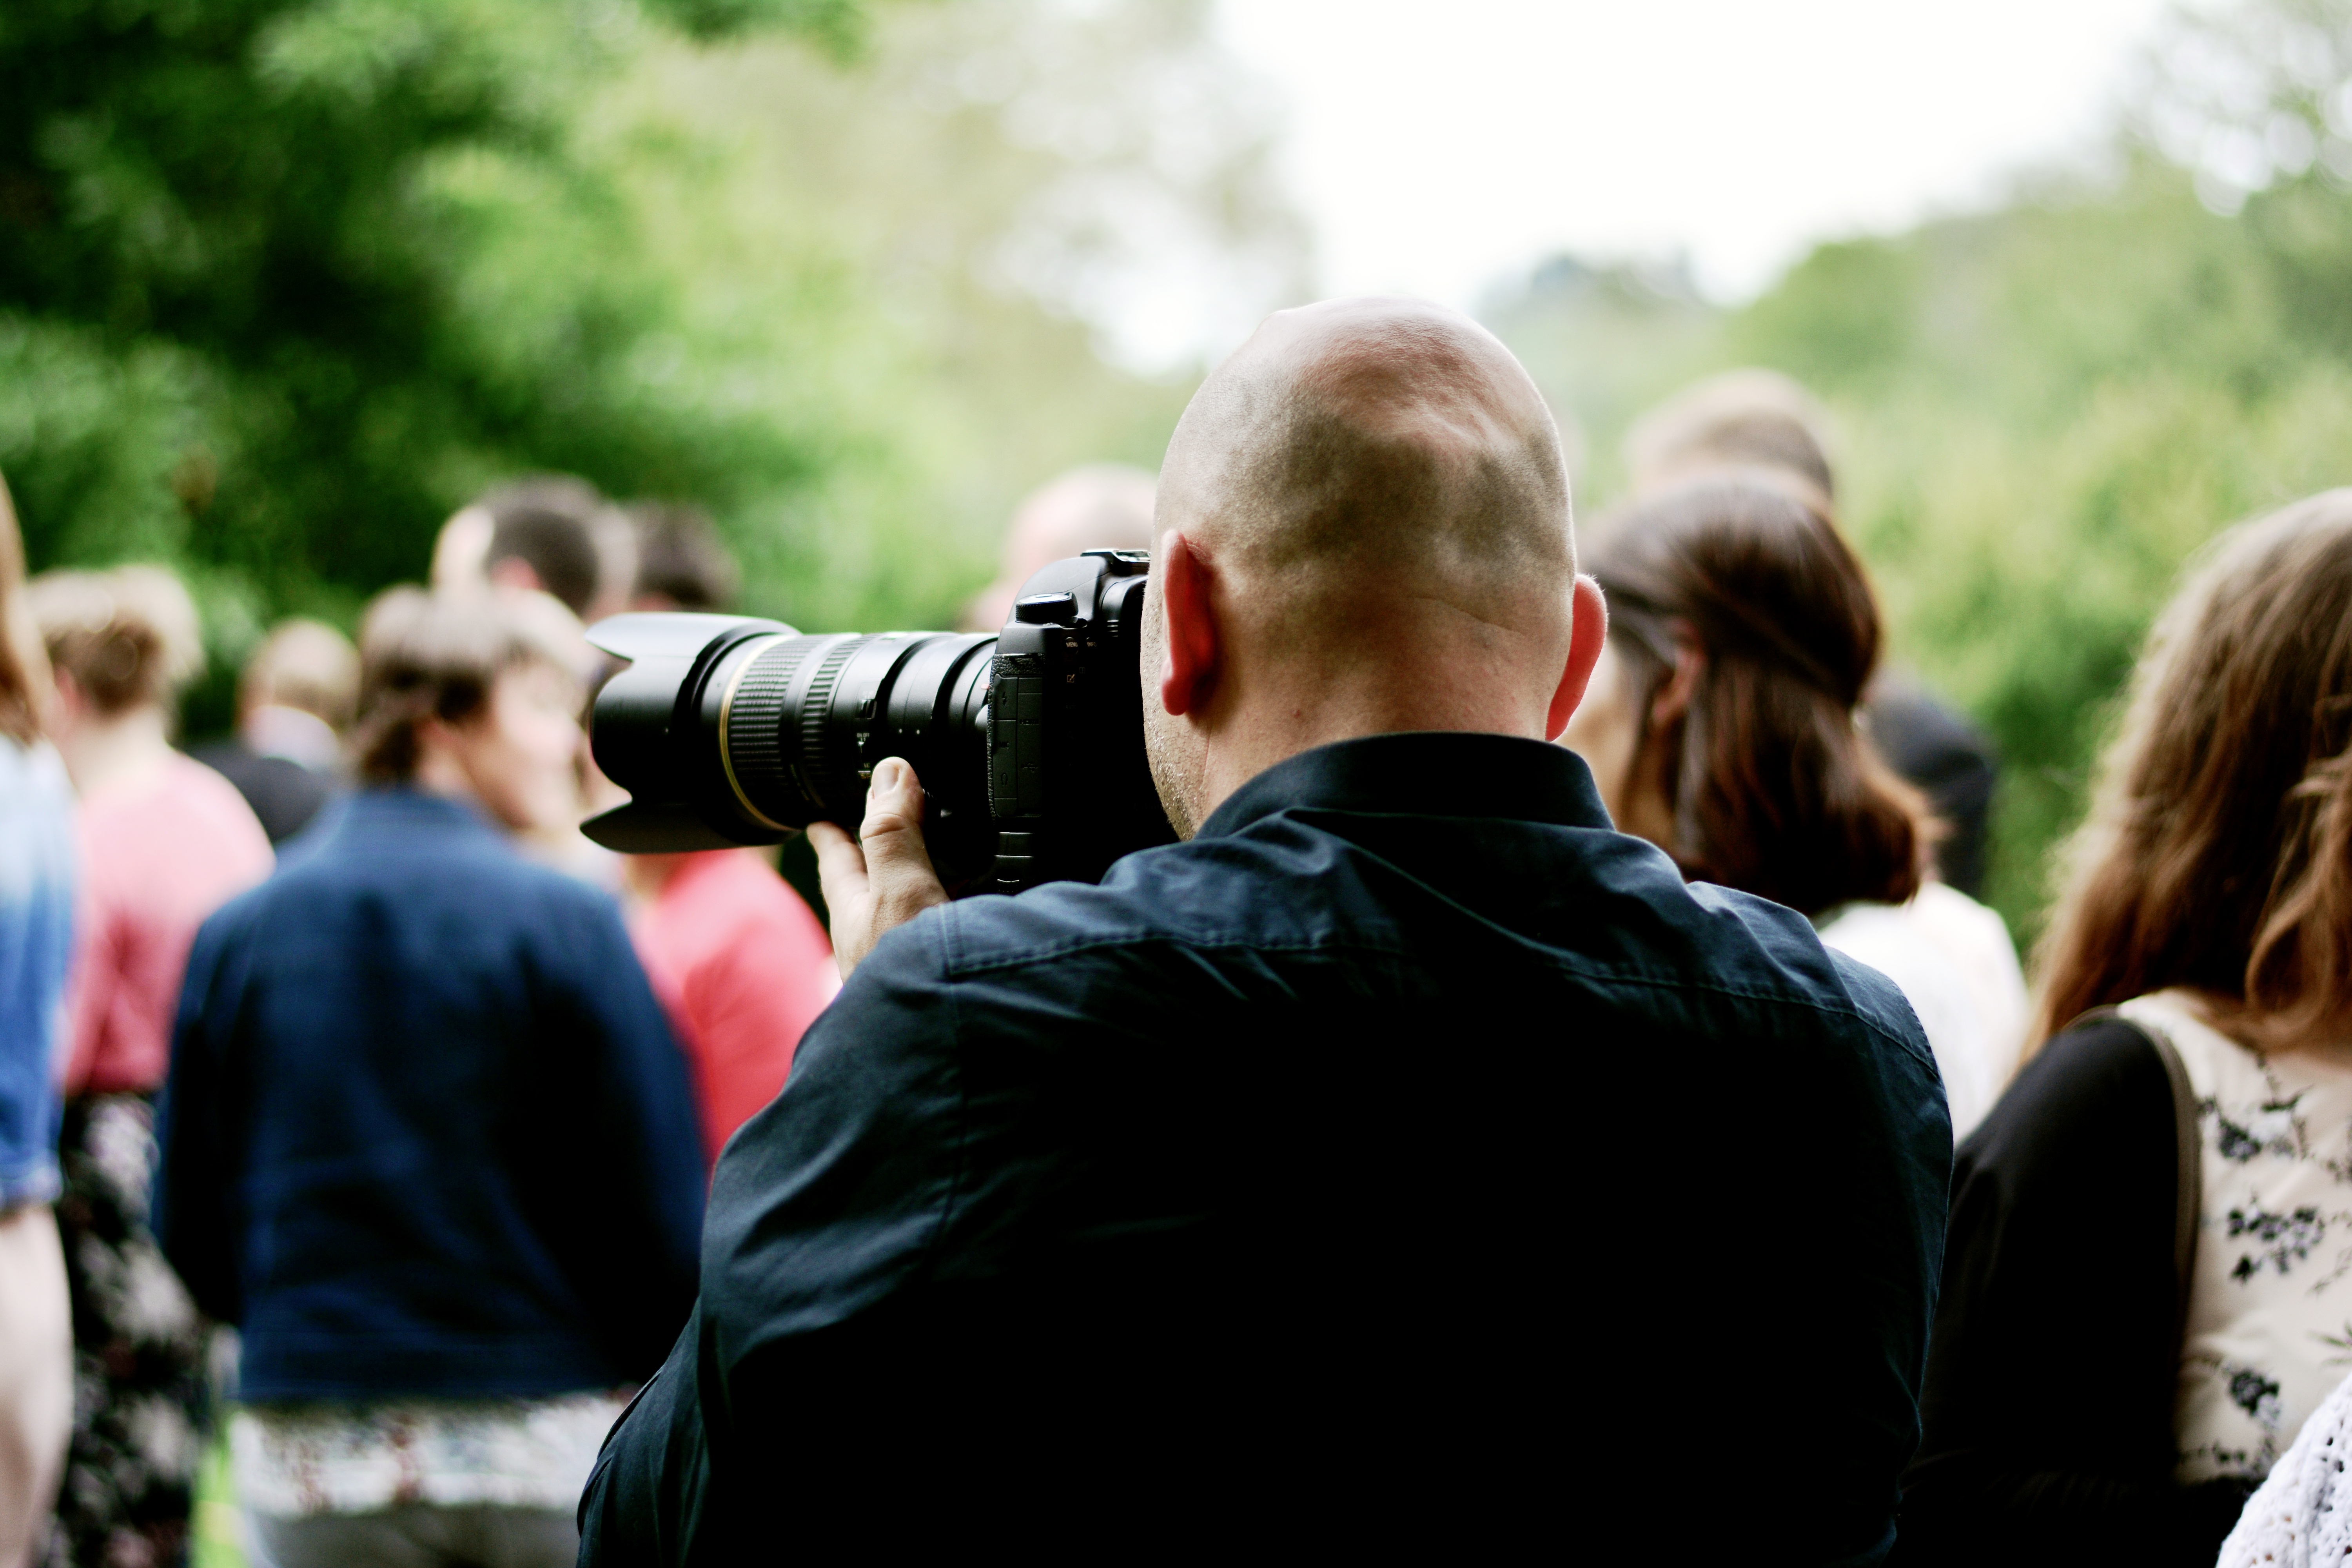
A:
[1403,1160]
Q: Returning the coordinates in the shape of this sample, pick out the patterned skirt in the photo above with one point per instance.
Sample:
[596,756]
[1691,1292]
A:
[142,1401]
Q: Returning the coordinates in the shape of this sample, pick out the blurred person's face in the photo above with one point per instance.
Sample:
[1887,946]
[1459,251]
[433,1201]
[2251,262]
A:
[519,755]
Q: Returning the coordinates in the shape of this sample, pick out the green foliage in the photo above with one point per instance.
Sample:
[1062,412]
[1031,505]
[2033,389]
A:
[283,283]
[280,282]
[1603,343]
[1848,313]
[2091,388]
[2041,413]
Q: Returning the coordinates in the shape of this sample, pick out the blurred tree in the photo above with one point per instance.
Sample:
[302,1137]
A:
[282,281]
[2044,410]
[1032,221]
[274,209]
[1603,343]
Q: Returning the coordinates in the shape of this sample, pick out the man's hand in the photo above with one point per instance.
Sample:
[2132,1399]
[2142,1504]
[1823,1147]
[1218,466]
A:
[883,878]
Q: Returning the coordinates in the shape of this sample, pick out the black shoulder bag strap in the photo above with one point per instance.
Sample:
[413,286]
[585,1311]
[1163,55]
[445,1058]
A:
[2189,1151]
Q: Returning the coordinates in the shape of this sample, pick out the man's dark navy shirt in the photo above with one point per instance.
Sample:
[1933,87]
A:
[1407,1156]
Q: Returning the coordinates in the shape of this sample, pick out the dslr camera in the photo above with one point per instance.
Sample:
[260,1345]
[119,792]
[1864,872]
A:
[1029,744]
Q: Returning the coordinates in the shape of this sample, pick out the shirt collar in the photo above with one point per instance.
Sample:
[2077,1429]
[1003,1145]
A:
[407,804]
[1423,773]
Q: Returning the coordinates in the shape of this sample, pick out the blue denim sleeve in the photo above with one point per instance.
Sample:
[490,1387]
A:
[36,917]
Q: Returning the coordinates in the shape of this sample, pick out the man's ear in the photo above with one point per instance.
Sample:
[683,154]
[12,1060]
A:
[1588,634]
[1189,670]
[1673,699]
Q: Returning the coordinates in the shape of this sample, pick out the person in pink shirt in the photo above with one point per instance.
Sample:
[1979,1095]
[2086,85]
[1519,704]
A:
[740,962]
[163,848]
[165,841]
[742,966]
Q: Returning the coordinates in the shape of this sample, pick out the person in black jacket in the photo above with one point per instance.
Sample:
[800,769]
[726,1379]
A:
[2149,1270]
[427,1139]
[1405,1159]
[294,699]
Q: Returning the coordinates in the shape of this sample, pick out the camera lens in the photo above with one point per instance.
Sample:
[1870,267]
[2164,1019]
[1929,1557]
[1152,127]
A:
[802,720]
[1029,743]
[731,731]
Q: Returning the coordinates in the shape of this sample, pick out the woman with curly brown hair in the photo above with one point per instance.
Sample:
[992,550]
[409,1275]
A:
[2145,1290]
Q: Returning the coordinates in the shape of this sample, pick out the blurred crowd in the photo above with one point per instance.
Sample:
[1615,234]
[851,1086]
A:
[476,1119]
[427,784]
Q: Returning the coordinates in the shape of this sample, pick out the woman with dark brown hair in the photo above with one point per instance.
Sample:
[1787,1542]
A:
[2145,1284]
[1720,725]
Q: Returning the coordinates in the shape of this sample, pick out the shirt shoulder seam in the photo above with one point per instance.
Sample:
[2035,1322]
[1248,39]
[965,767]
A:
[955,968]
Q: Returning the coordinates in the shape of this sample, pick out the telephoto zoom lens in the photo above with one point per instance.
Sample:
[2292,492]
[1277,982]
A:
[728,729]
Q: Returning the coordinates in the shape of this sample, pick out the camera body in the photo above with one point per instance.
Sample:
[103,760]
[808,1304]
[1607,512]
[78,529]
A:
[728,729]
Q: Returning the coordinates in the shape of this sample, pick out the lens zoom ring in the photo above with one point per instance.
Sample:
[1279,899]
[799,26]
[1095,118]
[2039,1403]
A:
[816,780]
[755,727]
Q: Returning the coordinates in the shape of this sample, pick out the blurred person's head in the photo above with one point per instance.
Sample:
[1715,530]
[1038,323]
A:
[538,534]
[615,534]
[122,645]
[298,691]
[1362,528]
[1720,722]
[681,563]
[471,697]
[1103,506]
[25,682]
[2217,855]
[1751,419]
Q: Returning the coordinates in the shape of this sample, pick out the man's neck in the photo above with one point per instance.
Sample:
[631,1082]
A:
[1271,726]
[439,773]
[101,754]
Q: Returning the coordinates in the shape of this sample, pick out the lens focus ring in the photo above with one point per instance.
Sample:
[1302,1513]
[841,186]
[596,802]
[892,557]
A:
[752,726]
[820,777]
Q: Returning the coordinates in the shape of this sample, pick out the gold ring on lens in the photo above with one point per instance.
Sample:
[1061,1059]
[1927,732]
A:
[726,711]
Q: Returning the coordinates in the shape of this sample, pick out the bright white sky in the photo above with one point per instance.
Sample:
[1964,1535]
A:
[1439,147]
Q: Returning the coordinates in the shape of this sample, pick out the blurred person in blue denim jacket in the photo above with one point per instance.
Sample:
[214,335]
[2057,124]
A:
[37,895]
[427,1140]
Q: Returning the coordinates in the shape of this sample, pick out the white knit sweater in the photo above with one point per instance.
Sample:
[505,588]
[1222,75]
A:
[2302,1513]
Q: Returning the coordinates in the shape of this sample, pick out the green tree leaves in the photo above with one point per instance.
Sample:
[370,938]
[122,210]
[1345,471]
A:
[283,281]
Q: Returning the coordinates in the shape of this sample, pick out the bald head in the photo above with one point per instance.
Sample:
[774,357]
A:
[1366,448]
[1362,527]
